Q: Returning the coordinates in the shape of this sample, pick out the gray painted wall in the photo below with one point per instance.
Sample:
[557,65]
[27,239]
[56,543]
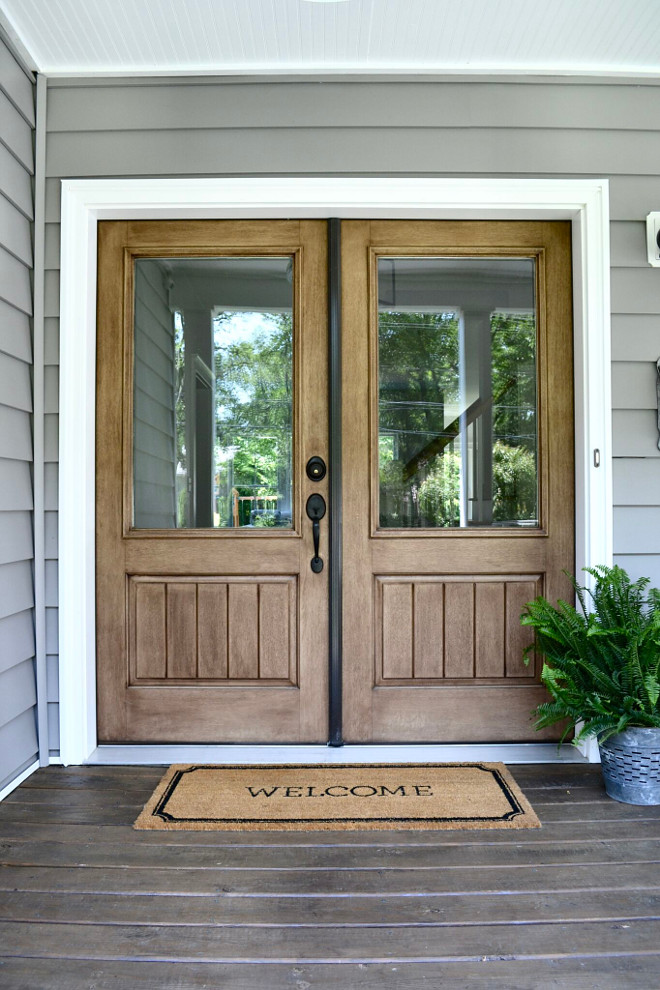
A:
[18,734]
[535,128]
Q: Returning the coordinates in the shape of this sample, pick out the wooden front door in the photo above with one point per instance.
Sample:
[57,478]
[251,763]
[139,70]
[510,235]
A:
[457,477]
[458,472]
[211,398]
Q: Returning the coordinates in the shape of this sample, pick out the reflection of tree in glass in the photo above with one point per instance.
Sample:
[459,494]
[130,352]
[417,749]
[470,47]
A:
[254,389]
[419,418]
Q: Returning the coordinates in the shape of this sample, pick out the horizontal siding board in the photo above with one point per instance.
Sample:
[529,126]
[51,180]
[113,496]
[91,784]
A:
[15,285]
[633,196]
[52,247]
[15,486]
[348,149]
[18,746]
[52,341]
[635,433]
[17,638]
[50,535]
[18,691]
[15,383]
[15,537]
[51,437]
[53,727]
[636,480]
[52,584]
[16,133]
[15,334]
[15,182]
[51,389]
[641,565]
[634,384]
[635,338]
[15,233]
[301,105]
[628,244]
[51,483]
[16,85]
[51,294]
[637,529]
[52,631]
[15,434]
[52,679]
[16,594]
[635,290]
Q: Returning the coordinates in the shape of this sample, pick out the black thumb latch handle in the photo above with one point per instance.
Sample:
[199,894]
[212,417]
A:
[316,510]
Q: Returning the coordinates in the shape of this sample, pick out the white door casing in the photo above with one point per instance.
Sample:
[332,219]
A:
[84,202]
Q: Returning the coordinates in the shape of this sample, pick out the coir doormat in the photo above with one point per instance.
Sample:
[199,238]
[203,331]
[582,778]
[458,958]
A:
[346,796]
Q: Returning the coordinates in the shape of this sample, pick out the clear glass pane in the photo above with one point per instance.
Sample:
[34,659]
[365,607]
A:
[457,405]
[213,393]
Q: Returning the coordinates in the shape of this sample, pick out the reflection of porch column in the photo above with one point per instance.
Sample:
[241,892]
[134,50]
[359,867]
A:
[200,416]
[478,378]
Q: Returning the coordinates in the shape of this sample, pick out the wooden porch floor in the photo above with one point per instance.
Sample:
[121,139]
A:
[86,902]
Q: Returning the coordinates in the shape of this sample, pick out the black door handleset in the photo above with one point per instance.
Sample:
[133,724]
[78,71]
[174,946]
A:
[316,510]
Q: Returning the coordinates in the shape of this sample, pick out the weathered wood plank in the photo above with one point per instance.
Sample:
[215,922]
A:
[610,973]
[334,858]
[434,911]
[324,945]
[336,883]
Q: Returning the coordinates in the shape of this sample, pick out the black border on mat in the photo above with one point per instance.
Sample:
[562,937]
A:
[160,812]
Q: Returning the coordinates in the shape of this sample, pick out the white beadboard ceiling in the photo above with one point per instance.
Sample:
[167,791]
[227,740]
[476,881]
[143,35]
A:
[351,36]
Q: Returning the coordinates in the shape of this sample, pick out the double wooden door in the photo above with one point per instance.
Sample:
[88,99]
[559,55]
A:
[457,477]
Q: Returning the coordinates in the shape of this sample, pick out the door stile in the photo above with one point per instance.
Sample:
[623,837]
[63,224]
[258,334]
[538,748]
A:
[335,563]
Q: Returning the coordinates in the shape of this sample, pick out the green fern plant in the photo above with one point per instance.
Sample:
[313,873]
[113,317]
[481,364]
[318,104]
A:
[601,661]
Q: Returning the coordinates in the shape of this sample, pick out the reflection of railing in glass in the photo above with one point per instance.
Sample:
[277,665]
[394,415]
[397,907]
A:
[457,393]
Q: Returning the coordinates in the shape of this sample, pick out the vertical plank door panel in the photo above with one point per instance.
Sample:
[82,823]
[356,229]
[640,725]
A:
[181,630]
[150,627]
[243,622]
[429,631]
[212,630]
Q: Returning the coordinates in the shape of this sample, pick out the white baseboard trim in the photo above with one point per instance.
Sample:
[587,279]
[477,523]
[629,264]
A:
[6,791]
[488,752]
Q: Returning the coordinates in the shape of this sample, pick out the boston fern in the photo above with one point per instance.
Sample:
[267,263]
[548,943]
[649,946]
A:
[602,663]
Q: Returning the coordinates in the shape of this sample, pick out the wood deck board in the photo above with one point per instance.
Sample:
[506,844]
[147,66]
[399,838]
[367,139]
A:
[87,901]
[610,973]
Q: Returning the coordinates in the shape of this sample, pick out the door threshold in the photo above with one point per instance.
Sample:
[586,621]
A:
[147,755]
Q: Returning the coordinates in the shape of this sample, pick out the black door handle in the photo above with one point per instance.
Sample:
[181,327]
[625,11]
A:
[316,511]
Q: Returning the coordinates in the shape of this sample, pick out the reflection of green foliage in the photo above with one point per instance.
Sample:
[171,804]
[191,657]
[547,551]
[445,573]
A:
[254,399]
[514,487]
[439,493]
[514,483]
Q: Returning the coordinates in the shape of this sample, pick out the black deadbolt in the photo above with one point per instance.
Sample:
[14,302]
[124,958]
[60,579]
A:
[315,469]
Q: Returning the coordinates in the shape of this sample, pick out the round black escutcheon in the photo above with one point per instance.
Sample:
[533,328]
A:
[316,469]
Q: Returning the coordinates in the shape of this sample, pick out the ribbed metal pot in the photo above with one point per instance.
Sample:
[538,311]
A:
[631,766]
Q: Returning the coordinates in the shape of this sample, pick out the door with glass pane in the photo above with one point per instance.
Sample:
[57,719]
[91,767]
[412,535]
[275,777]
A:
[458,472]
[211,398]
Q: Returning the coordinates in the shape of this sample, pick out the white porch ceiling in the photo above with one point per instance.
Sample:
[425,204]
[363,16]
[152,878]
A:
[353,36]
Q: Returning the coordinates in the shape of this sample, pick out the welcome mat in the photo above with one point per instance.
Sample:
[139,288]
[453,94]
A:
[340,796]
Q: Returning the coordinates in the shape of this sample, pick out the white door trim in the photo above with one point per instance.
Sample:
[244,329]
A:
[85,201]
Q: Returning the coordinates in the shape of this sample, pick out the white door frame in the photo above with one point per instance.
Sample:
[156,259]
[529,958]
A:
[85,201]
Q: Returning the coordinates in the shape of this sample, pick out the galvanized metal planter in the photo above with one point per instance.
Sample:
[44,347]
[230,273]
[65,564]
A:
[631,766]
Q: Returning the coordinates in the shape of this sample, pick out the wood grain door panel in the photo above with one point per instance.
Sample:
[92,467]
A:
[433,647]
[203,634]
